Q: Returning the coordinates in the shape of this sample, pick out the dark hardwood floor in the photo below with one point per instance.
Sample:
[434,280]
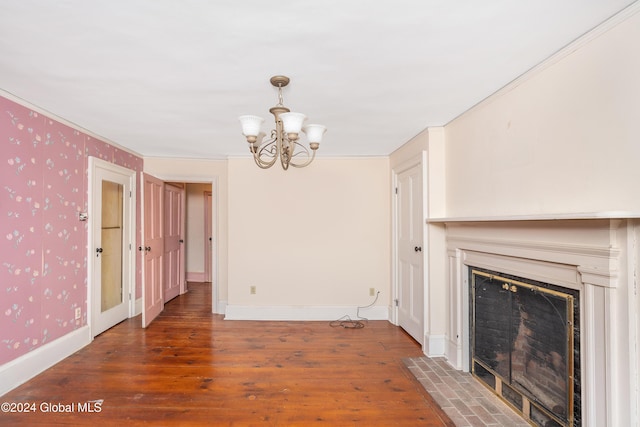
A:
[191,367]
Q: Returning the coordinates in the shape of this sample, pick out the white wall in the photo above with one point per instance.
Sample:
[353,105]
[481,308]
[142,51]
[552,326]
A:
[564,140]
[317,236]
[195,228]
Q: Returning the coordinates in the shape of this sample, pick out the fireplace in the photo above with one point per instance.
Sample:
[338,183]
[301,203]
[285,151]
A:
[585,272]
[525,345]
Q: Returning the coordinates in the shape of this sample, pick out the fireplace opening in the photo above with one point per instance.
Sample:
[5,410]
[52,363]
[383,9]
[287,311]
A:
[525,345]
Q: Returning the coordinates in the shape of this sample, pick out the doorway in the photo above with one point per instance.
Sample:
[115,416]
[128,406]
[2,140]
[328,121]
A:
[200,230]
[111,243]
[410,251]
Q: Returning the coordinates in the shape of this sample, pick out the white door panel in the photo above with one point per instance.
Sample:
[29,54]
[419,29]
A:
[111,243]
[410,268]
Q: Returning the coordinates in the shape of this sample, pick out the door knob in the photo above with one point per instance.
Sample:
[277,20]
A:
[418,249]
[147,248]
[99,250]
[181,241]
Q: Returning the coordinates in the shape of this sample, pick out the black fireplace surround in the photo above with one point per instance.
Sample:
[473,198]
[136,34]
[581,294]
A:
[525,345]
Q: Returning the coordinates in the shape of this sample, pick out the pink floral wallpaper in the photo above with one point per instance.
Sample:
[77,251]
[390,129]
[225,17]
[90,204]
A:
[43,245]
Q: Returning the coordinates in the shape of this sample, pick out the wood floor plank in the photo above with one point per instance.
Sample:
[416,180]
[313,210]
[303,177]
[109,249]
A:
[191,367]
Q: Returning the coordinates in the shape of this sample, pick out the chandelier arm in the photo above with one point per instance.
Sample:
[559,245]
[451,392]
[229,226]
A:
[262,163]
[310,157]
[267,150]
[299,152]
[285,156]
[282,143]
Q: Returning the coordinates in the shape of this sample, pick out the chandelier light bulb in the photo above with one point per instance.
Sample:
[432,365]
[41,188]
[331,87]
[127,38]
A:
[314,132]
[292,122]
[250,125]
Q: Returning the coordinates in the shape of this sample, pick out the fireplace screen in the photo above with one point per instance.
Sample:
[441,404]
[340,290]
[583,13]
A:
[525,347]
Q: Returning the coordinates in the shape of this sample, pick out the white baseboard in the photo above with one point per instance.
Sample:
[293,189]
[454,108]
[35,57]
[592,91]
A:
[221,307]
[138,307]
[454,355]
[196,277]
[434,345]
[25,367]
[246,312]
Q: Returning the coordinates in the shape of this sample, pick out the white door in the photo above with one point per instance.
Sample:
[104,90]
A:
[111,244]
[174,208]
[153,247]
[410,252]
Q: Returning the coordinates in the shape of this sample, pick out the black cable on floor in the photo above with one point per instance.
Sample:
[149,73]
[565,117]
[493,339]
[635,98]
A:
[346,321]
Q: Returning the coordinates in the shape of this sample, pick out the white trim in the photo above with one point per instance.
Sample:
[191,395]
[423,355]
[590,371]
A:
[540,217]
[216,157]
[434,345]
[633,249]
[130,231]
[426,254]
[302,313]
[137,307]
[319,155]
[198,277]
[22,369]
[393,309]
[458,304]
[222,307]
[208,237]
[597,264]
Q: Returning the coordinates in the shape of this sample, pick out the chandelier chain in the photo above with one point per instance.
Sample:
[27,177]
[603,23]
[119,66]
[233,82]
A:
[280,97]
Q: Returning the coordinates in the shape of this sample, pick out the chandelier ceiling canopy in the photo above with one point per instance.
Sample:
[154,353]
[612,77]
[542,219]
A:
[284,141]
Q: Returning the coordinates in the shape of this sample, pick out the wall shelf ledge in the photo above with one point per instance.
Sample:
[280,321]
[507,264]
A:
[539,217]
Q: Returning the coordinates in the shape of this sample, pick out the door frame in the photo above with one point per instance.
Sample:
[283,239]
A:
[208,244]
[129,261]
[417,160]
[216,305]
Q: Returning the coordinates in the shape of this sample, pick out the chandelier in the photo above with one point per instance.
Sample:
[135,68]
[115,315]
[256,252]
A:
[283,143]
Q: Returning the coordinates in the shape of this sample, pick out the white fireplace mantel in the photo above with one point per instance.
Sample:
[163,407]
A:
[595,254]
[540,217]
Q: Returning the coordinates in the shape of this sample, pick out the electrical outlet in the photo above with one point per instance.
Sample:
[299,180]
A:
[372,291]
[252,290]
[78,312]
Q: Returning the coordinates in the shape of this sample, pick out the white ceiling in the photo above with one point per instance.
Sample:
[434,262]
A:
[170,78]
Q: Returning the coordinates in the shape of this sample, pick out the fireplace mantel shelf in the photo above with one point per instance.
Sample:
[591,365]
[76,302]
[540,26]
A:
[540,217]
